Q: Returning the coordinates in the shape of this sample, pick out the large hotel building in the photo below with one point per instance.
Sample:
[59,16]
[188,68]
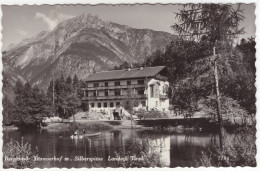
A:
[107,90]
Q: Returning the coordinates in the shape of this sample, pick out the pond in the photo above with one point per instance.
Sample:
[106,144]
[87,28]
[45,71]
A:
[180,148]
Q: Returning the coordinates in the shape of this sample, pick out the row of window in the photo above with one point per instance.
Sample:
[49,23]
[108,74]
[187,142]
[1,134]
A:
[117,92]
[105,104]
[118,83]
[111,104]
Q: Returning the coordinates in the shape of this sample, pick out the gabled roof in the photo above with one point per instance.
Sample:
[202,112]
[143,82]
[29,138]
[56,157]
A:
[126,74]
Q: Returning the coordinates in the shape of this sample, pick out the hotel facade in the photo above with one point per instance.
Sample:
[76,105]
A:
[107,90]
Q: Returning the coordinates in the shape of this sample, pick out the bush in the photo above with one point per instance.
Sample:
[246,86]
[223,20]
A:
[239,150]
[142,149]
[231,110]
[20,153]
[142,114]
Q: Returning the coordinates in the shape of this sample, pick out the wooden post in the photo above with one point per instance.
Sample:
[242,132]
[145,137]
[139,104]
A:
[218,101]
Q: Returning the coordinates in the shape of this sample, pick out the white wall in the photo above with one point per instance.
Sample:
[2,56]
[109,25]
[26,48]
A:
[161,104]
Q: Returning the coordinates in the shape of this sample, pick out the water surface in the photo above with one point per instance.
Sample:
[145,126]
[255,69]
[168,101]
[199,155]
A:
[176,149]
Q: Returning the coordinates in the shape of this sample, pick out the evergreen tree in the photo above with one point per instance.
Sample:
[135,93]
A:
[67,102]
[219,23]
[30,105]
[8,117]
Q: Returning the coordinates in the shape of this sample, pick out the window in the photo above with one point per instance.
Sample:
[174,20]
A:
[143,103]
[86,94]
[151,91]
[117,104]
[95,84]
[92,104]
[140,91]
[99,105]
[106,92]
[111,104]
[105,104]
[106,84]
[140,82]
[128,82]
[117,92]
[117,83]
[156,93]
[94,93]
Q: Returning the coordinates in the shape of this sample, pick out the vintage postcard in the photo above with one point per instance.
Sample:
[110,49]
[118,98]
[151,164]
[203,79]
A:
[120,85]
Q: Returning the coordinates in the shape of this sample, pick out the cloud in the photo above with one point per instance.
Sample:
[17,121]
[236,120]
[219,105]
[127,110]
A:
[22,32]
[51,23]
[54,20]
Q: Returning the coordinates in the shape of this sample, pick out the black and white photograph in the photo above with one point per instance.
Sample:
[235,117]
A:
[129,85]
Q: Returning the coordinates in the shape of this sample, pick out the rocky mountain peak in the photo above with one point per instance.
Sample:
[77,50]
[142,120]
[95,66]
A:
[83,45]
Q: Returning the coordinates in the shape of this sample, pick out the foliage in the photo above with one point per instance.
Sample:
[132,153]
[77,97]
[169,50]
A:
[232,112]
[8,116]
[219,22]
[142,149]
[142,114]
[129,101]
[246,82]
[66,96]
[239,150]
[30,105]
[18,151]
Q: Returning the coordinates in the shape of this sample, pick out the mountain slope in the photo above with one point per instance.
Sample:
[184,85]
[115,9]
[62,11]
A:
[82,45]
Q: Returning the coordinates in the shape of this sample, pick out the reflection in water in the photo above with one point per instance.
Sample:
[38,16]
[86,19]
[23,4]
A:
[176,149]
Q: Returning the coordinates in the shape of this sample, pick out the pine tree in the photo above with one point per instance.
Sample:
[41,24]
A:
[219,22]
[8,117]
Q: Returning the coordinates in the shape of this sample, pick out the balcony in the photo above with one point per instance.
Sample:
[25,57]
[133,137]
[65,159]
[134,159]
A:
[114,87]
[113,97]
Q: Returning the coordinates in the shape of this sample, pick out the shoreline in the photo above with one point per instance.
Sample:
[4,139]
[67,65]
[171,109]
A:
[11,127]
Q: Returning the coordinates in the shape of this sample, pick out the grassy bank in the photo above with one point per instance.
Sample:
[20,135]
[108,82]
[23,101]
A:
[91,126]
[239,150]
[56,126]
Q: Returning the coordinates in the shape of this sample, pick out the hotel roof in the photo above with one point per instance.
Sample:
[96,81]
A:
[126,74]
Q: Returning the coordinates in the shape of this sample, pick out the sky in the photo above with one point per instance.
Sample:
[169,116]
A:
[26,21]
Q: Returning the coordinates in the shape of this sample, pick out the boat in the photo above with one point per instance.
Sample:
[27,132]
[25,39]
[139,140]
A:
[85,135]
[92,135]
